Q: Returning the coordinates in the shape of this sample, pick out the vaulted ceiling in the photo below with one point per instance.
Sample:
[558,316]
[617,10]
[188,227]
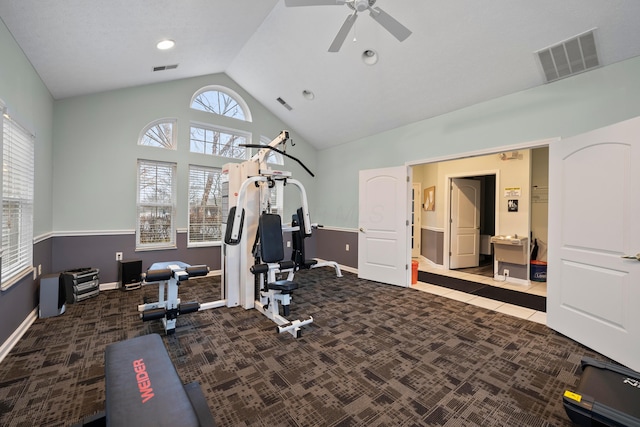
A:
[460,52]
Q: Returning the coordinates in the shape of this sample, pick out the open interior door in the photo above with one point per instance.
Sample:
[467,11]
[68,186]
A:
[593,293]
[465,223]
[383,215]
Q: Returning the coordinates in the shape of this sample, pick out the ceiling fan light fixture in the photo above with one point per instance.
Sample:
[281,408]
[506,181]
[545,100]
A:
[369,57]
[165,44]
[308,95]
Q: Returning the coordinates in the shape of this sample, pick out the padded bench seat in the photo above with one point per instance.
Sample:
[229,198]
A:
[144,389]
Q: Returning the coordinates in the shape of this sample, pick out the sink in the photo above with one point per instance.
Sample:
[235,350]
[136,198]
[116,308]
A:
[509,240]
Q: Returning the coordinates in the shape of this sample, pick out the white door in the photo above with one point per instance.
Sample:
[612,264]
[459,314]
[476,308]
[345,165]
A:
[383,238]
[465,223]
[416,219]
[593,294]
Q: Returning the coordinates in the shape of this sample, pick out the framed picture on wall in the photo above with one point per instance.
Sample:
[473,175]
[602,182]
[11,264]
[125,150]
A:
[430,198]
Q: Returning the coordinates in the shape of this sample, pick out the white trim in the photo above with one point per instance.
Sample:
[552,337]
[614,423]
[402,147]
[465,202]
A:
[486,151]
[109,286]
[42,237]
[432,228]
[330,228]
[92,233]
[13,339]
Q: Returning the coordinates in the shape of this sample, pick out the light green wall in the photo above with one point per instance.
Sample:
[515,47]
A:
[561,109]
[96,150]
[30,103]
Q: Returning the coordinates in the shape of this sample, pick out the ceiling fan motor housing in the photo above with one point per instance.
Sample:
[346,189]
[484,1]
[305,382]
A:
[361,5]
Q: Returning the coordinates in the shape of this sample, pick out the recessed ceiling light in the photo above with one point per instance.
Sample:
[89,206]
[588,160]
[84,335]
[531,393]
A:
[308,95]
[369,56]
[165,44]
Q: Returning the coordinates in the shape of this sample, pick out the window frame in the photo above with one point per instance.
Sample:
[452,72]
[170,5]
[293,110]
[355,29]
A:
[230,93]
[23,165]
[174,133]
[265,141]
[218,190]
[171,243]
[221,129]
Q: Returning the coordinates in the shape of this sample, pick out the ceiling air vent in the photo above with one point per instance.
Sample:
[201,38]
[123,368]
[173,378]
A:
[165,67]
[284,103]
[572,56]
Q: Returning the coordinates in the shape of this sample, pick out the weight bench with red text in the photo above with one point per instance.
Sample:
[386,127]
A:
[143,387]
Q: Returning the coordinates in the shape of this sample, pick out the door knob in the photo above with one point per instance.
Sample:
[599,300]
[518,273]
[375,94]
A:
[361,230]
[636,256]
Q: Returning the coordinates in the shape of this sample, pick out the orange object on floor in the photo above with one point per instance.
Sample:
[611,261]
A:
[414,272]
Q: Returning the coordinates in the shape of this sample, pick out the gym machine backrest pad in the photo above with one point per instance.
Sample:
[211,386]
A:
[271,241]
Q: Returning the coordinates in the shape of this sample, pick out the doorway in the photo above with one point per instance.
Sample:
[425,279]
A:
[472,216]
[524,169]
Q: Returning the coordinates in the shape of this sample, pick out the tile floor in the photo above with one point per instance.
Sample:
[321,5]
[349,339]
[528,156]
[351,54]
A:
[537,288]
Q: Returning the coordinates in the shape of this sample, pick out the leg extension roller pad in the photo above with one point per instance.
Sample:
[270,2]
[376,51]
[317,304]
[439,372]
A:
[144,389]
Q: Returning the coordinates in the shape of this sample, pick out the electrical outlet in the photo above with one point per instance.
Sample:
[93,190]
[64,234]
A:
[288,243]
[505,273]
[39,269]
[346,248]
[118,256]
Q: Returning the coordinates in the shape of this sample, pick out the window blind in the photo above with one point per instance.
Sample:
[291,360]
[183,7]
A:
[17,199]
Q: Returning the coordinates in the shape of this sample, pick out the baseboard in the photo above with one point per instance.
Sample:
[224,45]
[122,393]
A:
[6,346]
[109,286]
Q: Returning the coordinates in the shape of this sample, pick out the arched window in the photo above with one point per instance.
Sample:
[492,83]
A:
[221,100]
[159,133]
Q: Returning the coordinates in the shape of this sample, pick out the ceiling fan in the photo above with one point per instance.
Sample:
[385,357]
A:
[396,29]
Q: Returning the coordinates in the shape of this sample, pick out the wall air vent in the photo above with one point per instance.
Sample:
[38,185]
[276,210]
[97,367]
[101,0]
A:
[573,56]
[284,103]
[165,67]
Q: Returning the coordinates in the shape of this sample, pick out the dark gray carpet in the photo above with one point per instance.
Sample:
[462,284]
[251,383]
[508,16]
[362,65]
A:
[376,355]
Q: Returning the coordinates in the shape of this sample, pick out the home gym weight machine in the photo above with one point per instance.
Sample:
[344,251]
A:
[168,276]
[250,268]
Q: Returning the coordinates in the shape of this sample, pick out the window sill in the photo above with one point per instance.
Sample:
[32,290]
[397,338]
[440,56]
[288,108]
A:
[156,248]
[17,278]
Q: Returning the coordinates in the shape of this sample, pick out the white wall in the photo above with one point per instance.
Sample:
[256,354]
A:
[560,109]
[30,103]
[96,150]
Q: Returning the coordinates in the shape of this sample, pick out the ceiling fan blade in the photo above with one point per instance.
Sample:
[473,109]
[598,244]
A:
[343,33]
[396,29]
[294,3]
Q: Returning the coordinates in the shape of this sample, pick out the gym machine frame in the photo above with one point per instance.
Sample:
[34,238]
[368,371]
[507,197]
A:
[242,194]
[168,276]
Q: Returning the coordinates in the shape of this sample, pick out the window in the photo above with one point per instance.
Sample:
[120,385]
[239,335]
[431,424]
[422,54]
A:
[222,101]
[217,142]
[156,205]
[160,133]
[17,200]
[273,157]
[205,205]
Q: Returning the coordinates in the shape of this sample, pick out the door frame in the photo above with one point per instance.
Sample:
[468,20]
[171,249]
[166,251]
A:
[447,208]
[477,153]
[416,220]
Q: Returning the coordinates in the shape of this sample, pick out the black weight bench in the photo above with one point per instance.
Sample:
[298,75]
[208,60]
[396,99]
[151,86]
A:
[144,389]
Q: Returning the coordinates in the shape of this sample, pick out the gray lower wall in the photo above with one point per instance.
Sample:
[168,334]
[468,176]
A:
[432,246]
[99,251]
[331,246]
